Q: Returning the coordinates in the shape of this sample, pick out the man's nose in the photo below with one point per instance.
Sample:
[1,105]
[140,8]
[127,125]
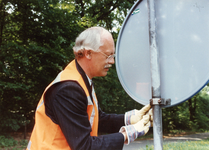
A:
[111,60]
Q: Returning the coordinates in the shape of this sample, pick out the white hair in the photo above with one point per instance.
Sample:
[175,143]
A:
[89,39]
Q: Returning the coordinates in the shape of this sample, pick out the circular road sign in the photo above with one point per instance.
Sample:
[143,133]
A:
[183,43]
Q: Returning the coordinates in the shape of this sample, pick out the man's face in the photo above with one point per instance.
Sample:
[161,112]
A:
[100,62]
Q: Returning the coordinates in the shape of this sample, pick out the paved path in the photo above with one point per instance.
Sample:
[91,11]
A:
[136,145]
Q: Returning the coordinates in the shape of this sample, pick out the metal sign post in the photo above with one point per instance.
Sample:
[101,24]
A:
[155,79]
[157,127]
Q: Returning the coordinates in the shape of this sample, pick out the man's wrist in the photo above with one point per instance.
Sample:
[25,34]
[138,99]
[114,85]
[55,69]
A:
[125,134]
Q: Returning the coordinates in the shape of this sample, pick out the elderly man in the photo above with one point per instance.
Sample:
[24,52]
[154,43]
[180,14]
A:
[68,116]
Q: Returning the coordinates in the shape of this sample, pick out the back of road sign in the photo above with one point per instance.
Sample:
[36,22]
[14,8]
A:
[183,44]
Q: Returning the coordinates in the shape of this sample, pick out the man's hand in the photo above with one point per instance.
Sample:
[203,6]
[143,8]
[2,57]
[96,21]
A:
[131,132]
[142,126]
[138,114]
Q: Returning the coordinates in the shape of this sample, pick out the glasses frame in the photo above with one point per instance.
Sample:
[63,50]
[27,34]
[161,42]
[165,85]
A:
[108,57]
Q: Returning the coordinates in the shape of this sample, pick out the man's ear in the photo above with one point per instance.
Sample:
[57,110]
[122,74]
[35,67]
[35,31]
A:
[88,54]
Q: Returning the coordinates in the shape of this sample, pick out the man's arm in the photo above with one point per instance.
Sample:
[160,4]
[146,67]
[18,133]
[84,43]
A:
[110,123]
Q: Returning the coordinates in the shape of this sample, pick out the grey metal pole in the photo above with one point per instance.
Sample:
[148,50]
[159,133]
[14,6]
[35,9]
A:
[157,127]
[155,77]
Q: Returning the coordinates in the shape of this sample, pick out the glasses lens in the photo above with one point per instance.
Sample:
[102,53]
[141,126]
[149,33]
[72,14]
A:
[111,56]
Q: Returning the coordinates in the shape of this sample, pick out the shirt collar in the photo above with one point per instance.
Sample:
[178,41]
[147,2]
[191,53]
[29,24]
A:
[90,81]
[86,79]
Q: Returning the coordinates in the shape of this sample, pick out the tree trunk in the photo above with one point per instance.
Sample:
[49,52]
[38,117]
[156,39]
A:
[25,131]
[191,110]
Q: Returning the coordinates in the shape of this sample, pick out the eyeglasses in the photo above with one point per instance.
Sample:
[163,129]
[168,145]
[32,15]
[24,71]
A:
[108,57]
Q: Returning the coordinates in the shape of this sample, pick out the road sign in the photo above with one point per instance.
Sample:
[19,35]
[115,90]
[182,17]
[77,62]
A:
[183,42]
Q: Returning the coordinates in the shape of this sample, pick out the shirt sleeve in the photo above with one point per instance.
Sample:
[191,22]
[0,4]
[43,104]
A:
[110,123]
[68,109]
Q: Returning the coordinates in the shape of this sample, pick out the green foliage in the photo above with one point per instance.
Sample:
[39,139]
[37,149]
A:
[10,121]
[201,113]
[23,68]
[190,115]
[35,45]
[175,117]
[6,142]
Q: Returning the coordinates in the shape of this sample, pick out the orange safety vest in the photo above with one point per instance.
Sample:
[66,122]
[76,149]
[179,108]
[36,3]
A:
[46,134]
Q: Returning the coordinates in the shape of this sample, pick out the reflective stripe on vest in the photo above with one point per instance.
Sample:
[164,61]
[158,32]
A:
[42,102]
[95,102]
[46,132]
[29,144]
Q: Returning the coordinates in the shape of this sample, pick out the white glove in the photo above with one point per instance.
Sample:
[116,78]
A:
[151,117]
[136,130]
[133,116]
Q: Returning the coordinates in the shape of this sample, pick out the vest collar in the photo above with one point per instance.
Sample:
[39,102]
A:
[84,76]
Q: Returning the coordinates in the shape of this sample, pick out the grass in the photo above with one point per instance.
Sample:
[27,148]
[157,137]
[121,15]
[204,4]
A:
[188,145]
[11,144]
